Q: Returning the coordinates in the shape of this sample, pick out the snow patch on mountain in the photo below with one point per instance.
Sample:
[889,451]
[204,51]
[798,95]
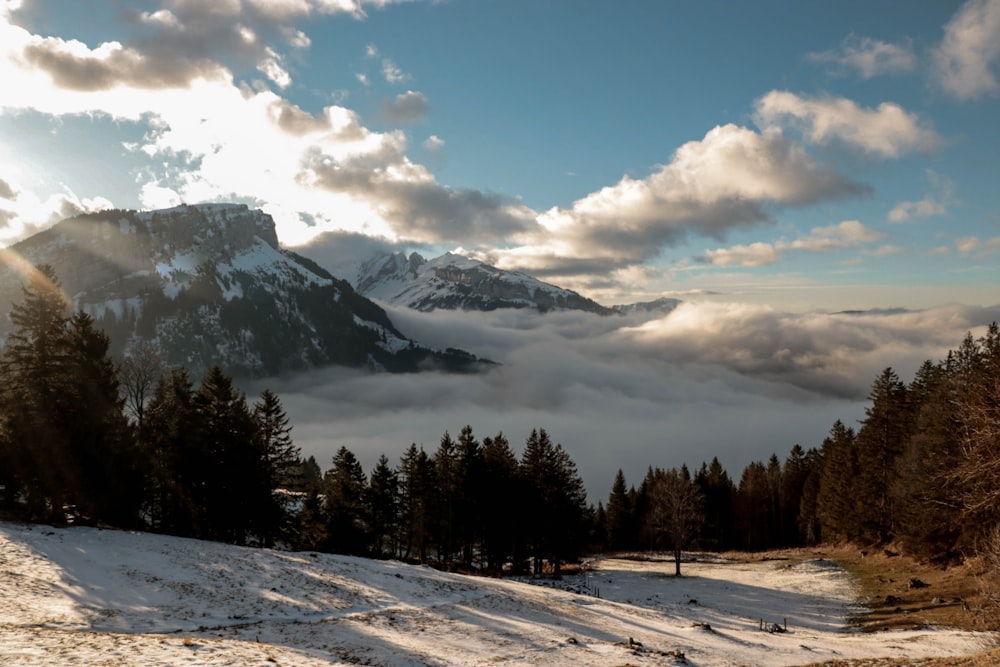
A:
[454,282]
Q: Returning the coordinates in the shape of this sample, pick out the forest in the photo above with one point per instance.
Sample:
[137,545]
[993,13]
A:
[129,443]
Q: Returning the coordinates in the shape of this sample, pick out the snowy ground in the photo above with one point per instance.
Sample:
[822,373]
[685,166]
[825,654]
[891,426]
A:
[82,596]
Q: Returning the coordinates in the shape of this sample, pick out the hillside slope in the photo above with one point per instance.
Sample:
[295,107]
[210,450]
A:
[82,596]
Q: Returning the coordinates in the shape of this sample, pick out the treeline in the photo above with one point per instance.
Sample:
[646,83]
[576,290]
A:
[469,504]
[922,470]
[133,445]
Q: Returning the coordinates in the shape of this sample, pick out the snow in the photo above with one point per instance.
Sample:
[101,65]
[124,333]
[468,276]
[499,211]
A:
[82,596]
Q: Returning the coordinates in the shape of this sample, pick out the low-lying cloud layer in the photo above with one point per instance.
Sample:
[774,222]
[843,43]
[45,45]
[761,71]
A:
[728,380]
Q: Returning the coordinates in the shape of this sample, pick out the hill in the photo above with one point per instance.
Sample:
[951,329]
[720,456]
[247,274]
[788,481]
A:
[90,597]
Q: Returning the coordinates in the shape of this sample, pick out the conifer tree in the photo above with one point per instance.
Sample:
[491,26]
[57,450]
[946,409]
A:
[718,489]
[281,465]
[620,520]
[384,508]
[36,447]
[880,442]
[835,500]
[502,503]
[416,476]
[346,491]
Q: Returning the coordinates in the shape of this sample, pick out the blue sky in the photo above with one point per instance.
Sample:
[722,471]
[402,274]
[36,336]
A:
[810,156]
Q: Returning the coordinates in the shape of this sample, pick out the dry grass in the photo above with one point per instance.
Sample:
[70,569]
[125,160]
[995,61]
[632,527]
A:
[951,598]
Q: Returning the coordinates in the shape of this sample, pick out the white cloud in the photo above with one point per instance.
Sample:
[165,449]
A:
[869,57]
[973,245]
[887,131]
[964,59]
[846,234]
[392,73]
[723,182]
[434,143]
[935,203]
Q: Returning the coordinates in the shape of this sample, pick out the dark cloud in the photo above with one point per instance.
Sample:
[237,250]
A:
[733,381]
[295,121]
[407,107]
[7,191]
[341,253]
[420,209]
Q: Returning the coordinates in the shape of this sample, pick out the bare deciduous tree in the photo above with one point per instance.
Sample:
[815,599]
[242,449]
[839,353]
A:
[138,374]
[675,511]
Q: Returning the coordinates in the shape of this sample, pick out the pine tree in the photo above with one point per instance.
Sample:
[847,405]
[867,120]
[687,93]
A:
[234,492]
[502,503]
[468,511]
[384,508]
[718,489]
[346,490]
[880,443]
[36,446]
[281,463]
[835,499]
[620,524]
[416,475]
[446,498]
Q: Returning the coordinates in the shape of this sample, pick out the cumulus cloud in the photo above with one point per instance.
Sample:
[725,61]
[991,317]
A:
[868,57]
[23,213]
[847,234]
[406,107]
[969,50]
[433,143]
[887,131]
[723,182]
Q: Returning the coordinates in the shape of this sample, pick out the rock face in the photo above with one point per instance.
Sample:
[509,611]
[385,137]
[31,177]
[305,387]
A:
[453,282]
[209,284]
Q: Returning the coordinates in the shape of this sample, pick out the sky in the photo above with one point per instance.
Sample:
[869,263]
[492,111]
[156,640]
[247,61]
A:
[771,164]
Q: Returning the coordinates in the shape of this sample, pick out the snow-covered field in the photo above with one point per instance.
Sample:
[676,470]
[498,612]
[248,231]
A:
[83,596]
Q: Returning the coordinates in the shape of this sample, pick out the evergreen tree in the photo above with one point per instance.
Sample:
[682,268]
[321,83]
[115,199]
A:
[416,477]
[468,510]
[234,492]
[557,501]
[384,508]
[835,499]
[36,454]
[346,491]
[793,482]
[620,520]
[171,443]
[718,489]
[880,443]
[446,498]
[502,503]
[281,465]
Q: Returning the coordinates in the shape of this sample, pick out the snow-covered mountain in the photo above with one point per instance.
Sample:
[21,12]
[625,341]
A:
[209,284]
[453,282]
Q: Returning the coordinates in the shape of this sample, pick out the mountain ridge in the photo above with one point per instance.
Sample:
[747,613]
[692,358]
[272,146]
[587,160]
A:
[210,284]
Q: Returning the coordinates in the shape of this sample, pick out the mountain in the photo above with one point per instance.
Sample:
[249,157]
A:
[659,306]
[209,284]
[453,282]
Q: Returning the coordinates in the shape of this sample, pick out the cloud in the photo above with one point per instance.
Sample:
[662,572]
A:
[7,191]
[733,380]
[392,73]
[973,245]
[847,234]
[887,131]
[406,107]
[970,48]
[932,204]
[723,182]
[414,205]
[868,57]
[434,143]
